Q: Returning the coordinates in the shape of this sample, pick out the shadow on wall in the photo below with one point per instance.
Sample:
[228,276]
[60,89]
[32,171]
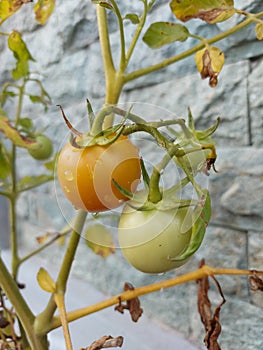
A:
[4,223]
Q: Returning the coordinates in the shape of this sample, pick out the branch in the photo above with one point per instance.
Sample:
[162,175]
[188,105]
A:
[205,270]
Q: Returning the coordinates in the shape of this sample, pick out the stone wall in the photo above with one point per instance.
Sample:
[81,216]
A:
[68,53]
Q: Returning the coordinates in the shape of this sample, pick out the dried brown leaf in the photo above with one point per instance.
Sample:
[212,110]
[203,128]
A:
[104,342]
[209,319]
[256,283]
[132,305]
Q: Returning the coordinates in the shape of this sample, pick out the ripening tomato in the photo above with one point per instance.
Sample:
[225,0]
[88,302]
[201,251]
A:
[86,174]
[150,238]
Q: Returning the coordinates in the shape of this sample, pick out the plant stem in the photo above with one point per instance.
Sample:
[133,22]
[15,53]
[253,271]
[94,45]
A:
[60,301]
[22,310]
[144,71]
[137,33]
[203,271]
[13,200]
[122,65]
[44,318]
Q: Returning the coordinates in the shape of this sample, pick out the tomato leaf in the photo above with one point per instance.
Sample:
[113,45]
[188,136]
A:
[45,281]
[4,163]
[211,11]
[201,217]
[21,53]
[162,33]
[29,182]
[104,4]
[132,17]
[43,10]
[9,7]
[100,240]
[259,31]
[13,134]
[209,62]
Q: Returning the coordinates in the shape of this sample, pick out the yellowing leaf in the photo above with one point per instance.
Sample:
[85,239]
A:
[43,10]
[21,53]
[13,134]
[259,31]
[161,33]
[45,281]
[9,7]
[209,62]
[211,11]
[100,240]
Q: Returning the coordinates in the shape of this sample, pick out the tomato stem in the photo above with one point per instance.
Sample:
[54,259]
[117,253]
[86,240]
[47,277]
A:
[203,271]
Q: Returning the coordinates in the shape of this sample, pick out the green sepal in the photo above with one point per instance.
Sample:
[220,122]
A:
[123,190]
[145,175]
[201,216]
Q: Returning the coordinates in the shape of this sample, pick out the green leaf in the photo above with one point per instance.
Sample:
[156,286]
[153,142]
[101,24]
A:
[21,53]
[132,17]
[211,11]
[45,281]
[43,10]
[201,217]
[162,33]
[29,182]
[259,31]
[5,168]
[100,240]
[26,124]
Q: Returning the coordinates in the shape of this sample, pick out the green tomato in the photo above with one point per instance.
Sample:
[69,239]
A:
[150,239]
[42,149]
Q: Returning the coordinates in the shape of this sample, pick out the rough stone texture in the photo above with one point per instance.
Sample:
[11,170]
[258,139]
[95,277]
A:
[68,52]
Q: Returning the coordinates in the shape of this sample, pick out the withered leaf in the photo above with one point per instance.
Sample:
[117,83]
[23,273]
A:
[256,283]
[106,341]
[209,319]
[209,62]
[132,305]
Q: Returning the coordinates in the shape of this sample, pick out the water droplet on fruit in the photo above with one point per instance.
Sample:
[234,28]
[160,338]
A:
[66,189]
[69,175]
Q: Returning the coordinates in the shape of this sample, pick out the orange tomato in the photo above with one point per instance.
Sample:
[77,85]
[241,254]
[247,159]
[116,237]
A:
[86,174]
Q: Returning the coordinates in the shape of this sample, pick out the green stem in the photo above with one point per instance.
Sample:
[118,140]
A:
[137,33]
[144,71]
[44,246]
[22,310]
[122,65]
[44,318]
[13,217]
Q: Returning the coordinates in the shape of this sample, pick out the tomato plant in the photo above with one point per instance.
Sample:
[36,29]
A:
[85,174]
[150,239]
